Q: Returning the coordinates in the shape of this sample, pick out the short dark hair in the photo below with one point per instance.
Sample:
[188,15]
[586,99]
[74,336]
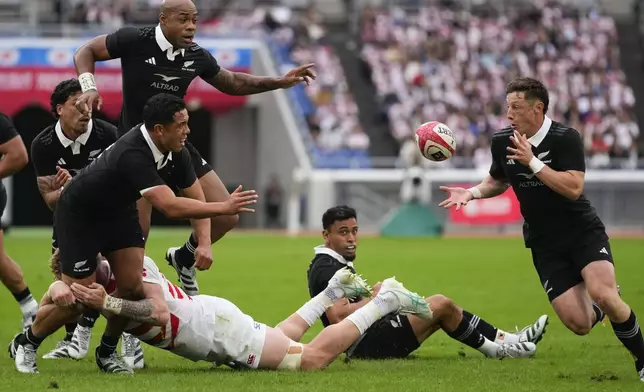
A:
[532,89]
[337,213]
[161,108]
[62,92]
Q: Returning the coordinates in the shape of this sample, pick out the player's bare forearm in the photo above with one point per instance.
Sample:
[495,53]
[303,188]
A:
[87,55]
[14,157]
[237,83]
[491,187]
[144,311]
[200,227]
[343,308]
[569,184]
[47,188]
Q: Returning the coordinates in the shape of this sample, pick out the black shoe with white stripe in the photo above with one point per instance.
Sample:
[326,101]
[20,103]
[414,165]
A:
[187,276]
[112,364]
[534,333]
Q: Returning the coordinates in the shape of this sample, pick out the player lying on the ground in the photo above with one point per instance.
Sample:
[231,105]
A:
[14,158]
[58,153]
[207,328]
[397,336]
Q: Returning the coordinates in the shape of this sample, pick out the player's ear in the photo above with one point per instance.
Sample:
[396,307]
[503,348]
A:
[325,234]
[59,109]
[158,129]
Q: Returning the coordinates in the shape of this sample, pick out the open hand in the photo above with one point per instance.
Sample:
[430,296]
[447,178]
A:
[523,149]
[91,296]
[203,257]
[297,75]
[239,200]
[458,197]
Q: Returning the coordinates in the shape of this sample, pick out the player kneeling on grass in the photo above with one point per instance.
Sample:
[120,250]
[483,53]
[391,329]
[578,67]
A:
[207,328]
[397,336]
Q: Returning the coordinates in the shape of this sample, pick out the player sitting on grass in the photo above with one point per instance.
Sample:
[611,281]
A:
[397,336]
[207,328]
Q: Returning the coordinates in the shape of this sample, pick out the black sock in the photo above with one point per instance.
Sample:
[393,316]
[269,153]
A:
[466,333]
[69,331]
[89,318]
[28,337]
[108,346]
[599,314]
[630,334]
[185,255]
[23,295]
[486,329]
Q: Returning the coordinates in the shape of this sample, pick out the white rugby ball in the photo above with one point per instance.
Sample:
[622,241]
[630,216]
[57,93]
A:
[435,141]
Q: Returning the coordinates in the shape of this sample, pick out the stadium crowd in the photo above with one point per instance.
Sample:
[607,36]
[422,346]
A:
[452,65]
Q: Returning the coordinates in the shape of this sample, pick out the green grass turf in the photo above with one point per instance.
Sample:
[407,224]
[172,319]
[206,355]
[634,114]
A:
[265,275]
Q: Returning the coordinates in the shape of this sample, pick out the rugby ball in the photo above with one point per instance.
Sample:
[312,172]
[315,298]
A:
[435,141]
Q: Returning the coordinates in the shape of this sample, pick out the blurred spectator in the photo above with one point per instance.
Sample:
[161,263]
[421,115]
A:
[449,64]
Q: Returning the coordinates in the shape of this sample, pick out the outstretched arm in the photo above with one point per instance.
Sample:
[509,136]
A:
[238,83]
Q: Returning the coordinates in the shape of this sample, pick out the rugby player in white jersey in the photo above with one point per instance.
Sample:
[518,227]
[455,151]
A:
[212,329]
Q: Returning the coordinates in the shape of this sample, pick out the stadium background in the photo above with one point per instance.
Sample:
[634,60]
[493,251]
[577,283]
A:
[383,68]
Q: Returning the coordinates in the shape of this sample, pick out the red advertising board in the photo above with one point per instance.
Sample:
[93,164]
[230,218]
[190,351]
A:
[503,209]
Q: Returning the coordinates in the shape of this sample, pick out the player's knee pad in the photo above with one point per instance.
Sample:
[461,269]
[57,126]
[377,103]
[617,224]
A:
[293,358]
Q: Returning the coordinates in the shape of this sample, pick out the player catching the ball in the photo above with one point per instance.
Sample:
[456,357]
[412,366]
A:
[212,329]
[543,161]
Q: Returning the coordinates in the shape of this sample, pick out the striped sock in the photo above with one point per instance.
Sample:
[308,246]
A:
[185,255]
[630,334]
[467,334]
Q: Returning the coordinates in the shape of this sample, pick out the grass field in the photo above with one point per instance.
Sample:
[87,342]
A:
[265,275]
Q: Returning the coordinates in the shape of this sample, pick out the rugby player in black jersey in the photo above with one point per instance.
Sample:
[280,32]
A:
[96,214]
[397,335]
[59,152]
[543,160]
[165,58]
[14,158]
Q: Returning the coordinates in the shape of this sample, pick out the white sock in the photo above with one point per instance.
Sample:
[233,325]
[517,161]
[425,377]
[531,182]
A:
[28,305]
[489,348]
[503,337]
[316,306]
[380,306]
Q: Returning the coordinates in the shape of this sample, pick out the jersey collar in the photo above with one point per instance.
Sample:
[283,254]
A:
[158,155]
[76,144]
[323,250]
[165,45]
[538,137]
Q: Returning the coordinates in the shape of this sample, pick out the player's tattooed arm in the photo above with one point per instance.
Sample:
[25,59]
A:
[491,187]
[50,191]
[142,311]
[237,83]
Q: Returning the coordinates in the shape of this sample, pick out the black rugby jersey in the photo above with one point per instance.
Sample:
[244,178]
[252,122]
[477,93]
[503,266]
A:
[111,184]
[551,220]
[52,148]
[322,268]
[150,66]
[7,129]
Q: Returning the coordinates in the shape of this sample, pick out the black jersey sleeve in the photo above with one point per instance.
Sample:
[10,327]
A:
[139,170]
[211,68]
[123,42]
[570,154]
[185,173]
[7,129]
[496,169]
[321,272]
[44,163]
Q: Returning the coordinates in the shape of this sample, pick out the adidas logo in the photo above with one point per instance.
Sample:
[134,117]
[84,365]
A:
[61,161]
[510,162]
[151,60]
[604,251]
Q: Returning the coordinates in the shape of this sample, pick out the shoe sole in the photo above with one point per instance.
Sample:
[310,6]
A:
[169,260]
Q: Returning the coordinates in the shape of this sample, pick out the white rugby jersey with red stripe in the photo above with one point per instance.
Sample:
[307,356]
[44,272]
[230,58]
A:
[186,334]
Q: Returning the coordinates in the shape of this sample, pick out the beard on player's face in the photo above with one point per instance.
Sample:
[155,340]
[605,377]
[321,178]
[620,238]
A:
[345,244]
[71,119]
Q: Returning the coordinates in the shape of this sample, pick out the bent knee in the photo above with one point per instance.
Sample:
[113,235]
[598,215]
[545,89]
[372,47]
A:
[579,327]
[441,305]
[314,359]
[606,298]
[226,222]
